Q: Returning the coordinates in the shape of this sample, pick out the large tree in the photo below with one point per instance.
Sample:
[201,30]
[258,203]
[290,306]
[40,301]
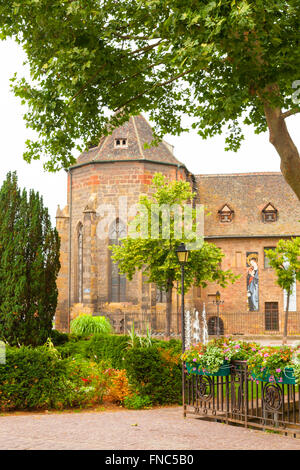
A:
[29,264]
[222,62]
[153,237]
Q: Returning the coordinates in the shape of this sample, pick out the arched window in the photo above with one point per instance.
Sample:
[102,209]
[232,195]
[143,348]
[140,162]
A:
[117,281]
[79,280]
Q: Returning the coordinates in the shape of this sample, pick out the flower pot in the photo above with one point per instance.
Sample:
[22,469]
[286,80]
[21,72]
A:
[287,377]
[194,368]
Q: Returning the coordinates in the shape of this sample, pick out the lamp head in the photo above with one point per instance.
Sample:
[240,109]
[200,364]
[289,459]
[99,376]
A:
[182,254]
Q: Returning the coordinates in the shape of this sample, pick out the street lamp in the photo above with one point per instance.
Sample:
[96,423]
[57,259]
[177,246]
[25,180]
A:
[182,255]
[218,302]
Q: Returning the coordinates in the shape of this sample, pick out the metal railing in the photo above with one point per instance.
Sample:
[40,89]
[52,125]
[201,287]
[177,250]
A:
[237,399]
[230,323]
[253,323]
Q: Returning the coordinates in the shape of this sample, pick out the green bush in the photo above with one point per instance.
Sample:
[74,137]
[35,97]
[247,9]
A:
[58,338]
[136,402]
[154,372]
[40,379]
[87,325]
[110,348]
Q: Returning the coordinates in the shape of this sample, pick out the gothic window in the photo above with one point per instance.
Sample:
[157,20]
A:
[121,142]
[269,213]
[79,263]
[225,214]
[117,280]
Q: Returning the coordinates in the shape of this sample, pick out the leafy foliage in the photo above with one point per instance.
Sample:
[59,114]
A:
[87,325]
[29,265]
[221,63]
[37,378]
[215,353]
[110,349]
[285,259]
[153,376]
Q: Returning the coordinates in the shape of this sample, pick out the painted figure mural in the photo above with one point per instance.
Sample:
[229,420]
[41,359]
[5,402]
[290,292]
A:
[252,281]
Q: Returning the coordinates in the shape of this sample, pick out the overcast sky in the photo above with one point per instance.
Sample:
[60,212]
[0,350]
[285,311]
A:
[200,156]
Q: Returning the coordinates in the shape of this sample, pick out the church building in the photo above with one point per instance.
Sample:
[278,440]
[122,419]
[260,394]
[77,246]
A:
[248,213]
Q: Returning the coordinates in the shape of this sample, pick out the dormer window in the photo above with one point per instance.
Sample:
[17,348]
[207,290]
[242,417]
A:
[121,143]
[226,214]
[269,213]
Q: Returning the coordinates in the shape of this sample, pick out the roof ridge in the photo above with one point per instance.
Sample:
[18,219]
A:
[138,137]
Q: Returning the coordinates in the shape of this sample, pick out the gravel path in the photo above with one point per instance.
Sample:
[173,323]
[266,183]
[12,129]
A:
[161,429]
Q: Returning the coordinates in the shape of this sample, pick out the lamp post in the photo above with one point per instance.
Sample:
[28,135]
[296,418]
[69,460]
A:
[182,255]
[218,302]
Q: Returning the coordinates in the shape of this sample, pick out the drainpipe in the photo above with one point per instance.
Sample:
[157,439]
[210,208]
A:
[70,248]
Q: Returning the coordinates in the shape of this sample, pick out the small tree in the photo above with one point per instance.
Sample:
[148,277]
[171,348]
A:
[29,264]
[156,257]
[285,259]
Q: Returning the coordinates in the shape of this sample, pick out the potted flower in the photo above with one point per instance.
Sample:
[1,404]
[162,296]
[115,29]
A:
[272,364]
[296,363]
[210,359]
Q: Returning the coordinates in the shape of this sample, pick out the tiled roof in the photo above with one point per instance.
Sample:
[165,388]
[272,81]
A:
[137,131]
[247,194]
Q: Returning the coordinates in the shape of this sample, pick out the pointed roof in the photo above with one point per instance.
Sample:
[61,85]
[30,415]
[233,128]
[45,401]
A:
[136,132]
[269,208]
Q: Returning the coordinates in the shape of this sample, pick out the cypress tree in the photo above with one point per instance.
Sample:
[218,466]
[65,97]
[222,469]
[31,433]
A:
[29,265]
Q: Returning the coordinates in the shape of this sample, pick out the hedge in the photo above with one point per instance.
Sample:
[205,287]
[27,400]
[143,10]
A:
[40,379]
[45,377]
[109,348]
[155,372]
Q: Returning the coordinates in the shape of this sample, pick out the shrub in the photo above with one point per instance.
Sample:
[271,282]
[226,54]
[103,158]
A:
[87,325]
[136,402]
[108,348]
[153,375]
[58,338]
[40,379]
[119,387]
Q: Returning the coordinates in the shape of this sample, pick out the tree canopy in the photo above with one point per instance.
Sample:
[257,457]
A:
[221,62]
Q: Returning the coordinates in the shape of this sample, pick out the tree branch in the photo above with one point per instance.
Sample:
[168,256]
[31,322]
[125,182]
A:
[137,51]
[290,113]
[157,85]
[136,74]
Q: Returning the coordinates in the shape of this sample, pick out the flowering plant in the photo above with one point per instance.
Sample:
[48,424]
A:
[272,361]
[212,356]
[296,363]
[208,357]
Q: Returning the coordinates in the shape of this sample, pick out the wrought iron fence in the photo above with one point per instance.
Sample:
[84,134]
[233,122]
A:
[236,399]
[252,323]
[229,323]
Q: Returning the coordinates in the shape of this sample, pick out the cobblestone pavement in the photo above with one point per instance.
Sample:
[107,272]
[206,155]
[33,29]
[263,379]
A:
[161,429]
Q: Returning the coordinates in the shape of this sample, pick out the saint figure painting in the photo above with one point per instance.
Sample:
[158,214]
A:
[252,281]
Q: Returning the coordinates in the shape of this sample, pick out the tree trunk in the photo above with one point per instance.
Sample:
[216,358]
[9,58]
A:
[281,139]
[168,310]
[284,337]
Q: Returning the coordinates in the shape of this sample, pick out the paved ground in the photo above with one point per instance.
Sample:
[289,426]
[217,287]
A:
[161,429]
